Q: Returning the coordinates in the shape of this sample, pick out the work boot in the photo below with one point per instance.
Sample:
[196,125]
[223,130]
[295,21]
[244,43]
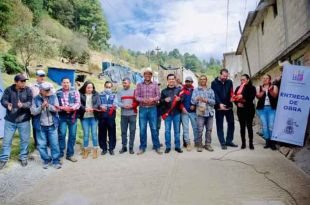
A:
[85,153]
[95,153]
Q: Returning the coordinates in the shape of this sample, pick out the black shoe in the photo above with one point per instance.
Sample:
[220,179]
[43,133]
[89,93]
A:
[161,145]
[231,144]
[251,146]
[131,151]
[267,145]
[2,164]
[104,152]
[167,150]
[273,145]
[243,146]
[223,147]
[179,150]
[24,162]
[123,150]
[111,152]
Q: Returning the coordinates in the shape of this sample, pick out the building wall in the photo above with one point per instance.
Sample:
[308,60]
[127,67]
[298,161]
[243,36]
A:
[280,32]
[233,63]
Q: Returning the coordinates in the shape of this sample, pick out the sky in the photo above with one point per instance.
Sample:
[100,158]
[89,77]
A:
[195,26]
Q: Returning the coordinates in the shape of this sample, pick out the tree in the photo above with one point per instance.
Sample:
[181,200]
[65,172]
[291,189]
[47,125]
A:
[63,11]
[31,43]
[36,6]
[6,14]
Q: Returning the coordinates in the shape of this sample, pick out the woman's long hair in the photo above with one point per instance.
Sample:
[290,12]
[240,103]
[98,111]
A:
[83,88]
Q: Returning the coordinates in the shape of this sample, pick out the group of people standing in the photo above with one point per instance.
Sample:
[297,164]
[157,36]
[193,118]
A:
[54,112]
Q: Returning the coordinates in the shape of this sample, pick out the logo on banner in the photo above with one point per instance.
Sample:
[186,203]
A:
[298,75]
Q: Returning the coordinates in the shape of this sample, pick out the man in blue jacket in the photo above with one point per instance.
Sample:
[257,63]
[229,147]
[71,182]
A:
[223,90]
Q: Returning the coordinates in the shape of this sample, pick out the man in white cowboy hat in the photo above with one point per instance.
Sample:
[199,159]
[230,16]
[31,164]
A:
[147,94]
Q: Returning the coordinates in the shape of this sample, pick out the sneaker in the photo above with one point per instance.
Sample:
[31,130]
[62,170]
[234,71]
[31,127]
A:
[140,152]
[123,150]
[24,162]
[179,150]
[45,165]
[158,151]
[224,147]
[71,159]
[2,164]
[189,147]
[209,148]
[167,150]
[57,166]
[104,152]
[131,151]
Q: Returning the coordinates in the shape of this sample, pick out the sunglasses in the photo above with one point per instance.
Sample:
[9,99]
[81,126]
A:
[188,81]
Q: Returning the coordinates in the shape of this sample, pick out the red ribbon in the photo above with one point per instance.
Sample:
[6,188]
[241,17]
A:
[174,103]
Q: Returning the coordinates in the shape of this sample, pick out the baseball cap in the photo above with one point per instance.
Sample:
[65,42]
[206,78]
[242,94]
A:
[45,86]
[40,73]
[20,77]
[189,78]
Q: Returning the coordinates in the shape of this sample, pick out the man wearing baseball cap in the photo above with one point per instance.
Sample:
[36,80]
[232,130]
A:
[35,88]
[46,121]
[17,100]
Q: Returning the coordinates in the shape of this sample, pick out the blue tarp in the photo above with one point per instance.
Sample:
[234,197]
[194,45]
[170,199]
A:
[56,74]
[117,72]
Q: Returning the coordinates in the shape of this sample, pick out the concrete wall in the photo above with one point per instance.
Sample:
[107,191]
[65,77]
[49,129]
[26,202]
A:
[280,31]
[233,63]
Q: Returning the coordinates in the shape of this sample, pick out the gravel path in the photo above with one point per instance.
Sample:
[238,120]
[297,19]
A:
[188,178]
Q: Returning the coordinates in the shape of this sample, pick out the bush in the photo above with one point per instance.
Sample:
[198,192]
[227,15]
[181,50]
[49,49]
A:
[9,64]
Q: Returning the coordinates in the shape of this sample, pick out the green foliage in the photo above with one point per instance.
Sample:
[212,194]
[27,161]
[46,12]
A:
[36,6]
[31,43]
[76,49]
[84,16]
[13,14]
[9,64]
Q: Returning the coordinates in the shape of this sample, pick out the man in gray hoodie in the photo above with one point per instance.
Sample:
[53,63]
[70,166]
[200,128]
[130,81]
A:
[126,101]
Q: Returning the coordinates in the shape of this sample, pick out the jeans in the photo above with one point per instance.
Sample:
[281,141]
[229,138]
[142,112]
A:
[24,136]
[89,123]
[131,122]
[148,114]
[107,126]
[65,122]
[204,122]
[186,117]
[50,134]
[267,116]
[219,116]
[175,119]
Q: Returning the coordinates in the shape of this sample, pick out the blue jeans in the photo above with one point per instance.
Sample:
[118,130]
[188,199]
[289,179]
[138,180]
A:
[267,116]
[148,114]
[175,119]
[65,122]
[219,116]
[24,136]
[186,117]
[50,134]
[89,123]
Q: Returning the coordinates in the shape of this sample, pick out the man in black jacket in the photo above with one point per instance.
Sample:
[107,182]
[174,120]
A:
[17,100]
[223,90]
[170,103]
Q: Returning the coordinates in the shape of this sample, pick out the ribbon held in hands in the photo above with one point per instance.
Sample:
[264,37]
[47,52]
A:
[174,103]
[235,98]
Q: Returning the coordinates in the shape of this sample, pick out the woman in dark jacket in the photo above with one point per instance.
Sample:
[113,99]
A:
[90,102]
[243,98]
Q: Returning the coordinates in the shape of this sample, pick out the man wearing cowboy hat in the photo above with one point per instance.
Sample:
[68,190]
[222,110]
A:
[147,94]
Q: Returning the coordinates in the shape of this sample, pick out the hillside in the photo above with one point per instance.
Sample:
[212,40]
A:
[73,34]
